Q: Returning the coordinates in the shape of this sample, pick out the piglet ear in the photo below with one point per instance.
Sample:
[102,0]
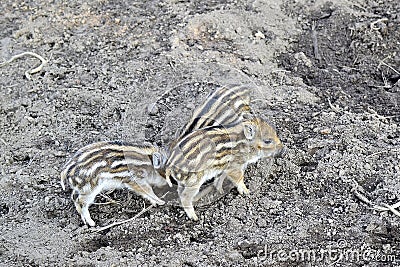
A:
[249,131]
[157,160]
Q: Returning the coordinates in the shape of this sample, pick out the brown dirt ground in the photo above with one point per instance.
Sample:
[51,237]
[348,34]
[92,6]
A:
[336,110]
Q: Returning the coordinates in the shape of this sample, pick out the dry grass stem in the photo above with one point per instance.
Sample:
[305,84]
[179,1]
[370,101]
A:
[28,72]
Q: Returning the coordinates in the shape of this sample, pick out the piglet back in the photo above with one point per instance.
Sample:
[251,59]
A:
[110,159]
[224,106]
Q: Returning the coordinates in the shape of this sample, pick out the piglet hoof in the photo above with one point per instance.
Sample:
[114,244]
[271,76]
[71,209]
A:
[243,189]
[191,214]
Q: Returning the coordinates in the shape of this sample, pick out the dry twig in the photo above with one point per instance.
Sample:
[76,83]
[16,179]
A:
[392,209]
[4,142]
[360,196]
[372,24]
[381,152]
[110,201]
[374,113]
[128,220]
[315,41]
[387,207]
[382,62]
[358,192]
[125,221]
[336,109]
[28,72]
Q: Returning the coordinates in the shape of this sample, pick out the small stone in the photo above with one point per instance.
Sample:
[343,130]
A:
[302,58]
[152,109]
[190,106]
[326,131]
[30,119]
[59,154]
[178,236]
[259,35]
[235,256]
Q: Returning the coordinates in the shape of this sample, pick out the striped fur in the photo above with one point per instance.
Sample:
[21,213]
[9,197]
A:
[111,165]
[219,150]
[224,106]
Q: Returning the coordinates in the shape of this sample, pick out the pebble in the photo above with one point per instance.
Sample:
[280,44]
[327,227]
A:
[190,106]
[259,35]
[30,119]
[152,109]
[326,131]
[235,256]
[59,153]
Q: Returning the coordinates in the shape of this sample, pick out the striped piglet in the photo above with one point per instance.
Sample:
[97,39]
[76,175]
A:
[112,165]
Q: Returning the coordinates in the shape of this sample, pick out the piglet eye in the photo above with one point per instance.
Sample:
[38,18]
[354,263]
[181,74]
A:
[267,141]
